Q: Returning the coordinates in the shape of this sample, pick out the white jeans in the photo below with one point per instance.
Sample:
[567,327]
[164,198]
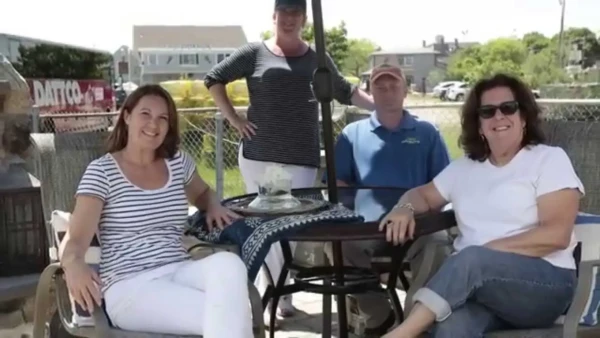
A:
[302,177]
[207,297]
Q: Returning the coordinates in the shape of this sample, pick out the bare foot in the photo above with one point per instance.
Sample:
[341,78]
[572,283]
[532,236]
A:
[286,312]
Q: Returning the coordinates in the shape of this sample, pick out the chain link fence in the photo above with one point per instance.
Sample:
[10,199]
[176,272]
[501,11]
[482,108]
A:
[213,143]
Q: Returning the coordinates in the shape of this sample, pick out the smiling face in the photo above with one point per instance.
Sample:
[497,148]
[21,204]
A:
[289,20]
[148,122]
[500,120]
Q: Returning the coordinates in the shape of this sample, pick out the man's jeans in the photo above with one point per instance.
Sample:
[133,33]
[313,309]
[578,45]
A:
[479,290]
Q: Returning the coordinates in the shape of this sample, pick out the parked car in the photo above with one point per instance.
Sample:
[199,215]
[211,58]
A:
[442,88]
[458,92]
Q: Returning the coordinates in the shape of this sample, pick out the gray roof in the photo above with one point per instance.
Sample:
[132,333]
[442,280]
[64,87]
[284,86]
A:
[188,36]
[406,51]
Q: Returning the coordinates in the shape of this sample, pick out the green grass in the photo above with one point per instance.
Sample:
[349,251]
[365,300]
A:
[234,183]
[450,134]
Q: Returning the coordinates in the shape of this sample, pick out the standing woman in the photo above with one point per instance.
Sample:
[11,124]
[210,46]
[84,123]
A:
[282,124]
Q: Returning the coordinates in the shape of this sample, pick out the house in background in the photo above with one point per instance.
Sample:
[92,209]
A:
[163,53]
[418,63]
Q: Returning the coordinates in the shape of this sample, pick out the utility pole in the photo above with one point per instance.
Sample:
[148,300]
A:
[561,33]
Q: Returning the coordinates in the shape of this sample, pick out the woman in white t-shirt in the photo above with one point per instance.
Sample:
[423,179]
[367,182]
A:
[136,197]
[516,201]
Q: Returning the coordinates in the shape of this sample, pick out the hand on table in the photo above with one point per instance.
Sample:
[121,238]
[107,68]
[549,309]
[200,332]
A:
[398,225]
[220,216]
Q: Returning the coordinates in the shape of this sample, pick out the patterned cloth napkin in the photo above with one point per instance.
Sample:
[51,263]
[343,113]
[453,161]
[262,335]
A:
[254,235]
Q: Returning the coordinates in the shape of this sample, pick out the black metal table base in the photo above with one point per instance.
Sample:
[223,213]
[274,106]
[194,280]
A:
[338,280]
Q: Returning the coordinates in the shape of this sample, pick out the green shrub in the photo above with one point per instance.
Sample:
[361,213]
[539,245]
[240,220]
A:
[571,91]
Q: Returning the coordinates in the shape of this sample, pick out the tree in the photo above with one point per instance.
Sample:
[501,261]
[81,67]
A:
[536,42]
[534,58]
[357,58]
[436,76]
[49,61]
[336,41]
[587,41]
[541,68]
[464,64]
[503,55]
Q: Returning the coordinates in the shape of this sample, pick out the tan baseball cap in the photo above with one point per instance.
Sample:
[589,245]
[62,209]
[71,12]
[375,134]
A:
[386,69]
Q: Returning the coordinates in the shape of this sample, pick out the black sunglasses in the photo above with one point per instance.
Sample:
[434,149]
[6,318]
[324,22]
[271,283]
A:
[506,108]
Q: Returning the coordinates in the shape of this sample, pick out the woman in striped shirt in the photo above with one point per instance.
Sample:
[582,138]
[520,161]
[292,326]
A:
[282,124]
[136,197]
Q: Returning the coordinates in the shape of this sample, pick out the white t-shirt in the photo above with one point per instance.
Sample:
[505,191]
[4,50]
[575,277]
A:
[496,202]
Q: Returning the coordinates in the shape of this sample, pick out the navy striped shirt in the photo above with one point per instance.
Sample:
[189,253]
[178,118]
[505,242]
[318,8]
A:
[139,229]
[282,103]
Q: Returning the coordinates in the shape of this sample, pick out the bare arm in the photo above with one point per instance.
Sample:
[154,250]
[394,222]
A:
[424,198]
[238,65]
[400,222]
[347,93]
[362,100]
[200,194]
[219,94]
[204,198]
[557,212]
[82,227]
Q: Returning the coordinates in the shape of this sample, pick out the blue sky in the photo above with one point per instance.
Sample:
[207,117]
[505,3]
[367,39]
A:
[106,24]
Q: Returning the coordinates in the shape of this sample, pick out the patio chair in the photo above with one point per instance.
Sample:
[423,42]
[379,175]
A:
[59,161]
[580,140]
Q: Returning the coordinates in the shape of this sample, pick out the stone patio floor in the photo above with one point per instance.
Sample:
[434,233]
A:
[305,324]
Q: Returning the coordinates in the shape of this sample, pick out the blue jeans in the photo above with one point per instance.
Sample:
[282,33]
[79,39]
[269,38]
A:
[479,290]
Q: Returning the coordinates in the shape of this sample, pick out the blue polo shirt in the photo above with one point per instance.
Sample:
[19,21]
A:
[368,154]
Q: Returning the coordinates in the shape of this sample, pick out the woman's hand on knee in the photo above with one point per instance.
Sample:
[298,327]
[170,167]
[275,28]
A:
[398,225]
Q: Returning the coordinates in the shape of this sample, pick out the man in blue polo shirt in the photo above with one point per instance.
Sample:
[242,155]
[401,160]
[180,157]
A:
[392,148]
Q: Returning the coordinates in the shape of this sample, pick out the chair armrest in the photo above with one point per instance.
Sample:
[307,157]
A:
[43,301]
[101,323]
[258,323]
[216,247]
[63,303]
[580,300]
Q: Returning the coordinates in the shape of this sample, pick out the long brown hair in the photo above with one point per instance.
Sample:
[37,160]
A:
[117,140]
[474,146]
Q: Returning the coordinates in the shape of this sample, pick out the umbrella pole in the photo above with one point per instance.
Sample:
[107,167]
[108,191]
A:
[323,89]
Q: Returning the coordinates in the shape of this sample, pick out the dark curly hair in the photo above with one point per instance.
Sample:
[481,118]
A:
[474,146]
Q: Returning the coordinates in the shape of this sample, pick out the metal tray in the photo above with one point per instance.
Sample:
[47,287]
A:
[307,205]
